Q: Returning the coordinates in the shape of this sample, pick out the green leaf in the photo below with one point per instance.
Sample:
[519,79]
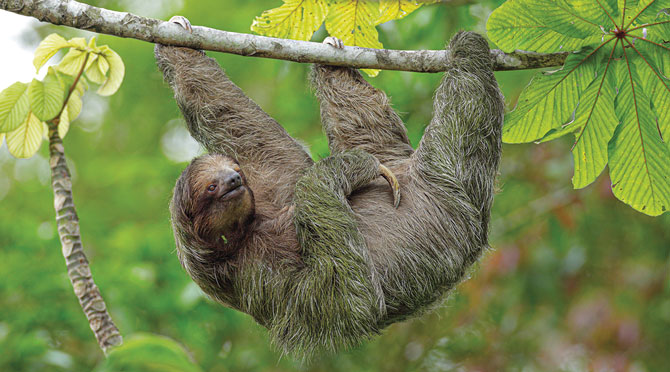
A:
[638,156]
[47,48]
[116,71]
[46,97]
[596,122]
[550,99]
[613,94]
[14,106]
[526,25]
[295,19]
[353,21]
[396,9]
[24,141]
[146,353]
[72,62]
[2,137]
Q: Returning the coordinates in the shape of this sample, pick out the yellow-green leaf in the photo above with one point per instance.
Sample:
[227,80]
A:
[74,105]
[116,72]
[2,137]
[24,141]
[63,123]
[91,44]
[353,21]
[295,19]
[396,9]
[72,62]
[97,69]
[14,106]
[46,98]
[78,42]
[47,48]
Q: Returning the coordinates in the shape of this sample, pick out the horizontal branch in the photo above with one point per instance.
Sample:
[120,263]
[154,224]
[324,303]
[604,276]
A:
[86,17]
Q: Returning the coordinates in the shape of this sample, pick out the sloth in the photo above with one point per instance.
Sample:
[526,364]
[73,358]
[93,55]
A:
[324,254]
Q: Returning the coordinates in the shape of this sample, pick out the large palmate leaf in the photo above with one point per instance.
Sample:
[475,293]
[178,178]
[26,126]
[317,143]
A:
[396,9]
[295,19]
[613,93]
[353,21]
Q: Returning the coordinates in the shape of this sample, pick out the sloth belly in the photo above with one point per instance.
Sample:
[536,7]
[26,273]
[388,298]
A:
[417,249]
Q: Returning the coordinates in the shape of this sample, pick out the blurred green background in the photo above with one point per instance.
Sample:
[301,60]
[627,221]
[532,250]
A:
[576,280]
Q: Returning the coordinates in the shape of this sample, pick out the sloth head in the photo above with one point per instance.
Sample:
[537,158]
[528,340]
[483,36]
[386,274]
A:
[212,202]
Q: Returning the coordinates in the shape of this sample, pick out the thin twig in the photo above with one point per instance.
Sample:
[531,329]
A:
[86,17]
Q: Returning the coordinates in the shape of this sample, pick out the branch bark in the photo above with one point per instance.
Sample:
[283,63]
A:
[78,269]
[86,17]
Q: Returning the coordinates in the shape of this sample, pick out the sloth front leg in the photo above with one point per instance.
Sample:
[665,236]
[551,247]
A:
[224,120]
[355,115]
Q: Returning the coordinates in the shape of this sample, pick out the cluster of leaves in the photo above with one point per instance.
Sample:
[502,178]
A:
[352,21]
[613,94]
[25,109]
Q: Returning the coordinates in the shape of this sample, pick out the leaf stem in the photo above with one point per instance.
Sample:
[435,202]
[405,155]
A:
[56,119]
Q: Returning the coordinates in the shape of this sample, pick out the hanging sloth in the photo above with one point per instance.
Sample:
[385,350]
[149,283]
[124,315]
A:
[321,253]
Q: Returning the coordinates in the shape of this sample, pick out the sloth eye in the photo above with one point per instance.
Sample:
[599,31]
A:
[211,187]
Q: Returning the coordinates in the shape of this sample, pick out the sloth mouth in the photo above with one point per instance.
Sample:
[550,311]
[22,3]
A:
[232,193]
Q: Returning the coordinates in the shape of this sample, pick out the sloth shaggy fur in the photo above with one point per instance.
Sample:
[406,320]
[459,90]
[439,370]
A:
[323,260]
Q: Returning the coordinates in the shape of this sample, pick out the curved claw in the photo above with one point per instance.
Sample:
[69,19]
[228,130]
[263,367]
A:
[393,182]
[183,22]
[333,41]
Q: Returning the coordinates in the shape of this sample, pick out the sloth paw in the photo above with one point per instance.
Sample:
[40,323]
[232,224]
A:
[393,182]
[183,22]
[333,41]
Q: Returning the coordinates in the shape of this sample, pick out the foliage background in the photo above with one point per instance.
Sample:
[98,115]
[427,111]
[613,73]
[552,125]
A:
[576,280]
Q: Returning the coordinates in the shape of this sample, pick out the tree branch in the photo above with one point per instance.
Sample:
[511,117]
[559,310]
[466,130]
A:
[86,17]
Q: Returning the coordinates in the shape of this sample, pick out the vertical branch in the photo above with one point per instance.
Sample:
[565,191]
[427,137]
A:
[78,269]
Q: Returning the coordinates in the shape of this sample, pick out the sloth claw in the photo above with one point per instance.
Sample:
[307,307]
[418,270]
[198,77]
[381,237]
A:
[393,182]
[183,22]
[333,41]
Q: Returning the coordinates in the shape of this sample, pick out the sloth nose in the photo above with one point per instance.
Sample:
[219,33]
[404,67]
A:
[233,181]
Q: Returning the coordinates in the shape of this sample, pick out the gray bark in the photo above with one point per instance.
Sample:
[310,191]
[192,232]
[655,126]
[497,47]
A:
[86,17]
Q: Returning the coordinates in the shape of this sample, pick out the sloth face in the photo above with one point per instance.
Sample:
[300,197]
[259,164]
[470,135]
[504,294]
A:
[221,200]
